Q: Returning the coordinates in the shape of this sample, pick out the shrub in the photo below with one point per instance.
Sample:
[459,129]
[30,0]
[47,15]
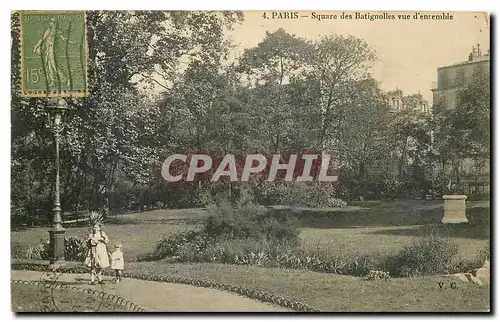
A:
[18,217]
[181,195]
[280,228]
[75,249]
[28,215]
[248,221]
[430,255]
[236,194]
[213,194]
[38,252]
[226,223]
[335,260]
[313,194]
[306,194]
[382,185]
[479,218]
[484,254]
[273,253]
[240,252]
[170,246]
[377,275]
[193,251]
[17,250]
[471,265]
[265,252]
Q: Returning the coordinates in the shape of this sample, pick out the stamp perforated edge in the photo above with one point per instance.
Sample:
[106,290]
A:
[42,94]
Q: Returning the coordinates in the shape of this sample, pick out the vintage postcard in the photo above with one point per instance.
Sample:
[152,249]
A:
[250,161]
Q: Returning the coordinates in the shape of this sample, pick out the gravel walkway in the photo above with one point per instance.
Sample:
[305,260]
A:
[163,297]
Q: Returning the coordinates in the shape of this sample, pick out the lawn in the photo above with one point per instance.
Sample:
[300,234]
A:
[335,293]
[138,232]
[369,227]
[385,227]
[31,298]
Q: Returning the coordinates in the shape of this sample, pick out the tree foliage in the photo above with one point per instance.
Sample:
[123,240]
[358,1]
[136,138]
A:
[166,82]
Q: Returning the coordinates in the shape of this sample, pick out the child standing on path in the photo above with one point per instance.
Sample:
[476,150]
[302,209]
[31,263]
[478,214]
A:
[97,256]
[117,262]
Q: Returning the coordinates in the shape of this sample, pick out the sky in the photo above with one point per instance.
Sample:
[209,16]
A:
[409,51]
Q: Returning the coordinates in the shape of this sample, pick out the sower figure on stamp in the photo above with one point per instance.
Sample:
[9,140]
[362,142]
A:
[97,254]
[46,47]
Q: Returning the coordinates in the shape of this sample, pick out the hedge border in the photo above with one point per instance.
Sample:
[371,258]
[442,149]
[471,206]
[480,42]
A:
[115,299]
[249,293]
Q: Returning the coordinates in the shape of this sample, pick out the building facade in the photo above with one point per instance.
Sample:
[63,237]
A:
[398,102]
[454,77]
[474,170]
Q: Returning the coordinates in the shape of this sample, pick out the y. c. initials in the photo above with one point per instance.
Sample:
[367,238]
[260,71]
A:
[452,286]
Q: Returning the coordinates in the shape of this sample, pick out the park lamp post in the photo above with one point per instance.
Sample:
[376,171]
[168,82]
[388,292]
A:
[57,106]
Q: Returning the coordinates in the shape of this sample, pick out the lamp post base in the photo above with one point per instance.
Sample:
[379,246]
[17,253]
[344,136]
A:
[56,245]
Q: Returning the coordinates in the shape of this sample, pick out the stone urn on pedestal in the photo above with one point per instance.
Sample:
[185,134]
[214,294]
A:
[454,209]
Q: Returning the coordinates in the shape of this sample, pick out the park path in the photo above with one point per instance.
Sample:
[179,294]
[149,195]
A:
[160,296]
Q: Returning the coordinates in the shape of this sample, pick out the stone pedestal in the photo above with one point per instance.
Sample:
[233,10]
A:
[454,209]
[56,245]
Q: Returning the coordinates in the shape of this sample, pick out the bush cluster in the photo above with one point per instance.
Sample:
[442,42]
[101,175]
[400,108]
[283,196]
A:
[311,194]
[264,253]
[248,234]
[173,246]
[248,221]
[75,249]
[226,223]
[377,275]
[430,255]
[230,237]
[305,194]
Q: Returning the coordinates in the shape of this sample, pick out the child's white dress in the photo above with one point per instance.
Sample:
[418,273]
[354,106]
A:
[97,254]
[117,259]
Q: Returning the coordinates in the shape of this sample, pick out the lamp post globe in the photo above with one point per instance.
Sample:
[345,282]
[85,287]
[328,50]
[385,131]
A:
[57,105]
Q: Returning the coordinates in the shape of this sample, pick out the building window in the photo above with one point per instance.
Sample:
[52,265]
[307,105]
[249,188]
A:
[443,80]
[455,98]
[444,100]
[460,78]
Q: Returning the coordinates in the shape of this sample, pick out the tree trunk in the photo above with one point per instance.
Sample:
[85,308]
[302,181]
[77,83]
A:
[110,188]
[362,170]
[79,189]
[402,159]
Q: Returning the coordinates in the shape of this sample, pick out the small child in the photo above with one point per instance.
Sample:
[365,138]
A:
[117,262]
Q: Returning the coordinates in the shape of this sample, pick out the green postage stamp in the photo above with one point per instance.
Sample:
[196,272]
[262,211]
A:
[53,54]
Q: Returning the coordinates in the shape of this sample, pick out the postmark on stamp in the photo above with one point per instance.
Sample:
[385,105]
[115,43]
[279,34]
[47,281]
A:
[53,54]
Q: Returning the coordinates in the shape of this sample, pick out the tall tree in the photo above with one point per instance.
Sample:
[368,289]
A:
[333,62]
[472,121]
[271,64]
[116,126]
